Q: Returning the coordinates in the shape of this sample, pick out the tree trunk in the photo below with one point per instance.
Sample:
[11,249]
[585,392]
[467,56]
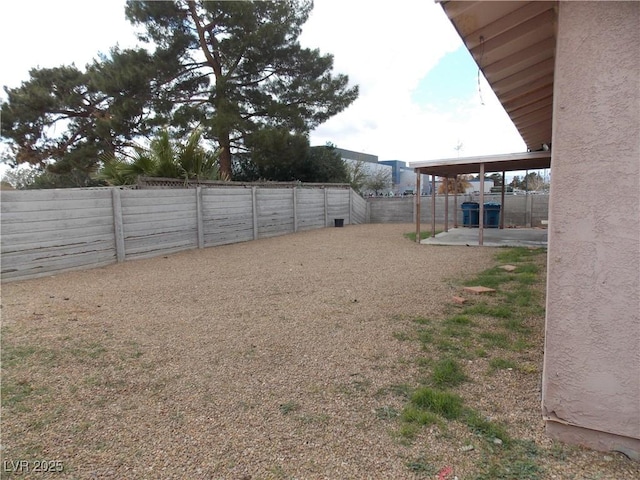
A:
[225,156]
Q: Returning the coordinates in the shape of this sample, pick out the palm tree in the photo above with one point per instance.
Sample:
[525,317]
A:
[164,158]
[195,162]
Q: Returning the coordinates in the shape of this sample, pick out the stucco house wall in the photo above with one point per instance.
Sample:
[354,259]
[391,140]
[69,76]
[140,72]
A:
[591,377]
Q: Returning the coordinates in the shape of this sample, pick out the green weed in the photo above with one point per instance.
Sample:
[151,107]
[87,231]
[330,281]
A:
[515,325]
[495,339]
[425,337]
[485,427]
[497,311]
[512,469]
[422,320]
[456,331]
[421,417]
[14,393]
[401,336]
[361,385]
[480,352]
[408,431]
[447,346]
[501,364]
[492,278]
[445,404]
[527,278]
[526,268]
[421,465]
[458,320]
[521,297]
[517,462]
[519,345]
[518,254]
[14,355]
[447,373]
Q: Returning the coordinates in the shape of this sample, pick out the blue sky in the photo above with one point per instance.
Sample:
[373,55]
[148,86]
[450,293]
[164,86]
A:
[419,95]
[453,78]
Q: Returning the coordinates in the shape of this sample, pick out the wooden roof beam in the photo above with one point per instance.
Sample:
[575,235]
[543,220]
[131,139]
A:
[517,113]
[515,34]
[528,56]
[523,77]
[455,9]
[533,118]
[528,99]
[508,22]
[507,96]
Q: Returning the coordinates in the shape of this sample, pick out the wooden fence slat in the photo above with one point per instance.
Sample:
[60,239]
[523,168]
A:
[44,227]
[54,194]
[9,218]
[53,205]
[62,236]
[44,255]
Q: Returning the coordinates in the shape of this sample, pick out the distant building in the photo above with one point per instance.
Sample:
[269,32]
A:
[475,185]
[357,156]
[369,164]
[404,178]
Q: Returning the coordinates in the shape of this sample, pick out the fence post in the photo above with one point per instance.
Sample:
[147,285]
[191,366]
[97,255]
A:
[254,205]
[118,227]
[350,204]
[199,221]
[527,214]
[295,209]
[326,207]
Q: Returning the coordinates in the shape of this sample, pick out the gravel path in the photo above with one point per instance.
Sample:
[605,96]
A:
[267,359]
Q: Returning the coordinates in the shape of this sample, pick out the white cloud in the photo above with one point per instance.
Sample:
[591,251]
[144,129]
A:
[39,33]
[387,48]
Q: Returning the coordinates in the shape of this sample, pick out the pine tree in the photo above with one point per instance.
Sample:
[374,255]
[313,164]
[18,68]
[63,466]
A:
[248,65]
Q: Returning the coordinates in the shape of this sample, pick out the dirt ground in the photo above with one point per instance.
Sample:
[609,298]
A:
[266,359]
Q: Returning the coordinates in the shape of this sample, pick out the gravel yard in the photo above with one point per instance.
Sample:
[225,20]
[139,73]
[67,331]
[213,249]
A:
[267,359]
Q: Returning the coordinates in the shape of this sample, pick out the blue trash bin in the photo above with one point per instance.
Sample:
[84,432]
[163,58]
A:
[470,214]
[491,215]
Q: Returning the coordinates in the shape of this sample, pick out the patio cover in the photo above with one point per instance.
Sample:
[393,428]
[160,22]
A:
[451,168]
[492,163]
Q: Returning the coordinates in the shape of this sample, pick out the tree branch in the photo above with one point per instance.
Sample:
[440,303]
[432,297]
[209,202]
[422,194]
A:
[212,58]
[255,82]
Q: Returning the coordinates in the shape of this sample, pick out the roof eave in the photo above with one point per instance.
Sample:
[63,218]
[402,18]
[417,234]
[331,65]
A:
[492,163]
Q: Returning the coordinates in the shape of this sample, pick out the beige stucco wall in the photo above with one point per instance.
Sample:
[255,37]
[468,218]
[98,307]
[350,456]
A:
[591,379]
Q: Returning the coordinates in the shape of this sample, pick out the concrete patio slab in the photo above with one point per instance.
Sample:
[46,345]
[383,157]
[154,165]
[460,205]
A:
[493,237]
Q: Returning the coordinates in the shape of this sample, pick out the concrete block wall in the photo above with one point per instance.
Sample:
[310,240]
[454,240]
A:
[519,210]
[49,231]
